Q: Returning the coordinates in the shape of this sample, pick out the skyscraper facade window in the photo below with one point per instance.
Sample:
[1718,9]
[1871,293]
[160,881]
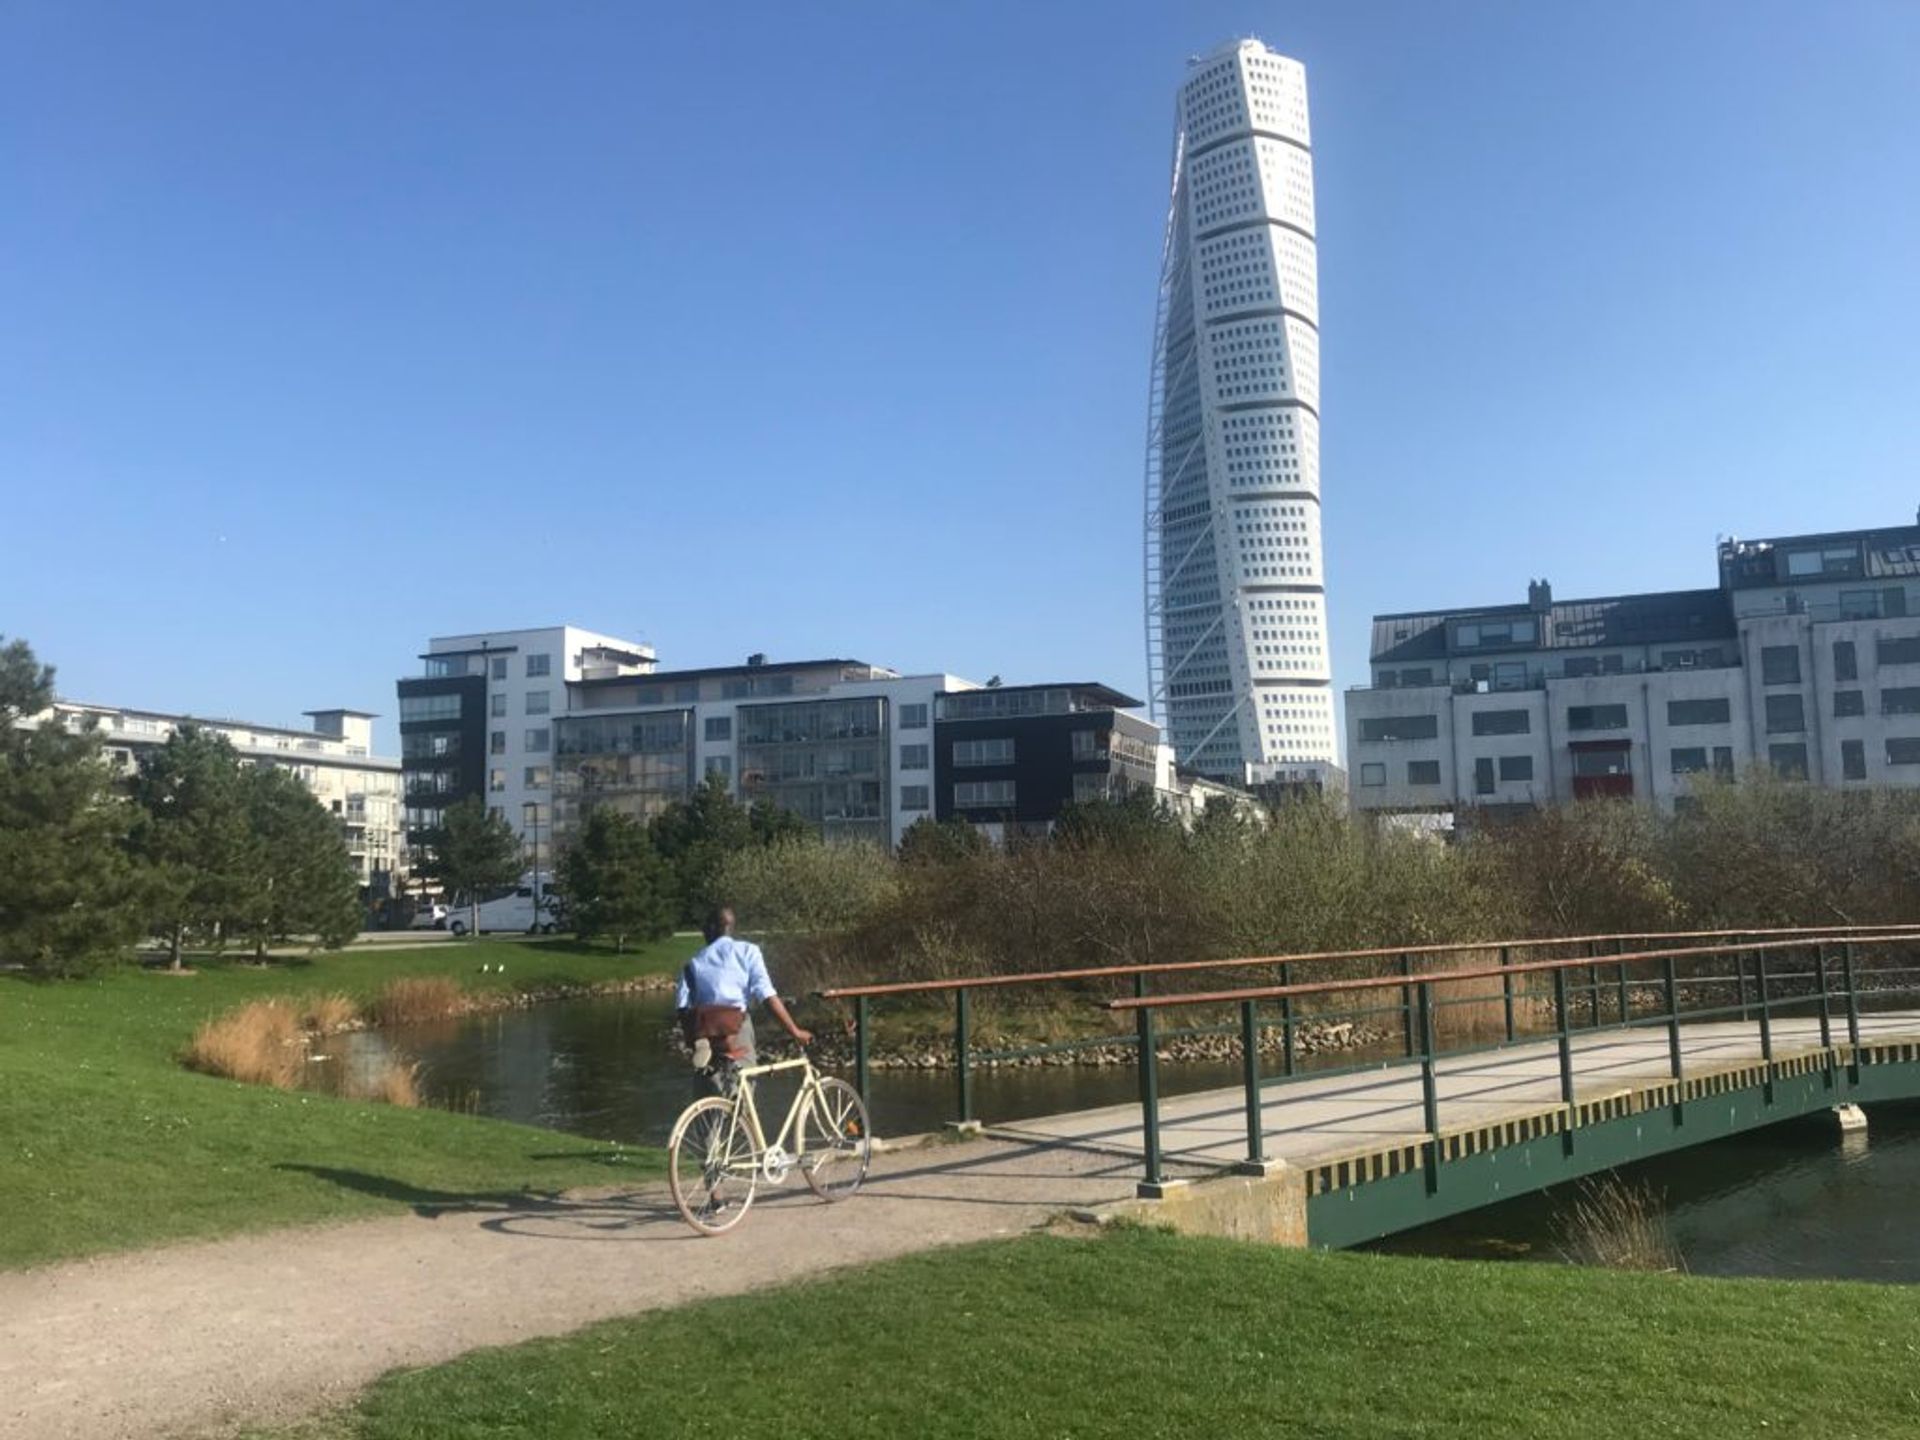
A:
[1237,660]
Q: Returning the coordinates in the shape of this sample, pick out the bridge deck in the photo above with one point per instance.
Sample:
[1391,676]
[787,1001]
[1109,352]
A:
[1316,1121]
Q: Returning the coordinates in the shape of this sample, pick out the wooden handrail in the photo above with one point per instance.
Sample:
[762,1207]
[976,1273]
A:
[1173,967]
[1881,936]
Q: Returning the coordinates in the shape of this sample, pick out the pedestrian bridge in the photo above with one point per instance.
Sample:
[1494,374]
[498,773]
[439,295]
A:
[1490,1071]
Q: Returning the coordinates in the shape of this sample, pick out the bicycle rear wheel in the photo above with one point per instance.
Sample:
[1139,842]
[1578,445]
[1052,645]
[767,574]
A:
[837,1141]
[711,1167]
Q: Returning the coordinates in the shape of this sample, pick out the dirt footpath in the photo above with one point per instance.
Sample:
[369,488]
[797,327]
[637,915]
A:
[192,1339]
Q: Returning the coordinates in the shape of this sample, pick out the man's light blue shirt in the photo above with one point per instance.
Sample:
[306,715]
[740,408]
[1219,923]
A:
[727,972]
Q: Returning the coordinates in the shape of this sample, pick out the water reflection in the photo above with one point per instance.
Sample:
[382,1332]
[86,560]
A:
[1798,1200]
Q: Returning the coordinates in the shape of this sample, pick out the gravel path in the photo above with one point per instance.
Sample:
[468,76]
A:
[193,1339]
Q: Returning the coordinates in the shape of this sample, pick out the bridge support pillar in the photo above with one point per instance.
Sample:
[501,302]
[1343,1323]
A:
[1851,1118]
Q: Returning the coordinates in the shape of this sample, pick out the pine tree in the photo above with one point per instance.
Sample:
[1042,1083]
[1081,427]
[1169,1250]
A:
[302,881]
[613,882]
[695,837]
[67,898]
[475,851]
[191,836]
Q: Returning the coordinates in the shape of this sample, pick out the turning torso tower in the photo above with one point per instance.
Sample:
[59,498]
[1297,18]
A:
[1236,606]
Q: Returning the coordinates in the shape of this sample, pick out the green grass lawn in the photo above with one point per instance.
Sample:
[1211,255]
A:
[106,1142]
[1139,1334]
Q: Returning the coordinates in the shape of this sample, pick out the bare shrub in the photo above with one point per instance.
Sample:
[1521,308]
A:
[395,1083]
[1618,1225]
[416,999]
[261,1043]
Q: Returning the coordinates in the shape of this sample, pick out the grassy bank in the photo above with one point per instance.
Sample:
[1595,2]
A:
[109,1143]
[1140,1334]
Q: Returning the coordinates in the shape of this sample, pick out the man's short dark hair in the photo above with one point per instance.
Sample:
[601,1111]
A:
[719,920]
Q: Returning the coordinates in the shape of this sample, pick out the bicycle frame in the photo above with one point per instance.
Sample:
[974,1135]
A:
[746,1110]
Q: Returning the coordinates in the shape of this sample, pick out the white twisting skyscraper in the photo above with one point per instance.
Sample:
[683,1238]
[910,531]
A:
[1236,609]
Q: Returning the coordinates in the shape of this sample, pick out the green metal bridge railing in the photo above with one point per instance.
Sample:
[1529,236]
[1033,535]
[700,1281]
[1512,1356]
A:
[1760,996]
[1597,951]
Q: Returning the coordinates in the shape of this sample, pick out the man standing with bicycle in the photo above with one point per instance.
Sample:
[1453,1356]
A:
[717,989]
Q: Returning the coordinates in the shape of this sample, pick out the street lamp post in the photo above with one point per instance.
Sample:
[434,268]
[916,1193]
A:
[530,817]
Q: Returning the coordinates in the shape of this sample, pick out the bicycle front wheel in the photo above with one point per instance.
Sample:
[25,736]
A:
[837,1141]
[711,1167]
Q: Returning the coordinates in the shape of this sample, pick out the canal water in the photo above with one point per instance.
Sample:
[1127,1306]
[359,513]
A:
[1795,1200]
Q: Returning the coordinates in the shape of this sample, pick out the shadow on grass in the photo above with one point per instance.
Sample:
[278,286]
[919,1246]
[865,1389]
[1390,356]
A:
[539,1214]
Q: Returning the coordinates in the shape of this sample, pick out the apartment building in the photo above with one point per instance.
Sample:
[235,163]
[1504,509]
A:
[1010,758]
[846,745]
[334,760]
[479,719]
[1805,658]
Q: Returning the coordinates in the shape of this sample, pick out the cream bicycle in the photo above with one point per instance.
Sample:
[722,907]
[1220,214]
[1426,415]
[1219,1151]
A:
[719,1152]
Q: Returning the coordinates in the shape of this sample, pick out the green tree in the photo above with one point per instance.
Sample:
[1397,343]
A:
[1137,819]
[613,882]
[302,881]
[475,851]
[67,900]
[696,836]
[940,842]
[191,836]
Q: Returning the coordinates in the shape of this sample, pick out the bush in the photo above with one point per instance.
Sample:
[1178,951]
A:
[417,1000]
[261,1043]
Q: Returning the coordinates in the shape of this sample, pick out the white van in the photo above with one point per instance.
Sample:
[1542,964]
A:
[513,911]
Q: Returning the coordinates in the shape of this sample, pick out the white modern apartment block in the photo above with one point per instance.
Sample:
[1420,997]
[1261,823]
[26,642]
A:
[845,745]
[334,760]
[479,720]
[1806,658]
[1237,657]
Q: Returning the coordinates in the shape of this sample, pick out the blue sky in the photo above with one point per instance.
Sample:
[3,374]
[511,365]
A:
[823,329]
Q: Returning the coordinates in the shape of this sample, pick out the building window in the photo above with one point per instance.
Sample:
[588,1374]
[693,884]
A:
[1501,722]
[1853,760]
[1786,715]
[1789,761]
[1859,604]
[499,667]
[1483,775]
[1846,663]
[1579,666]
[1780,664]
[539,701]
[425,707]
[1723,761]
[538,777]
[1423,772]
[1901,700]
[721,765]
[983,752]
[539,665]
[914,717]
[1699,712]
[1849,702]
[1516,767]
[976,794]
[537,740]
[497,705]
[1898,650]
[718,727]
[915,757]
[1596,717]
[1401,727]
[1089,745]
[496,780]
[1494,632]
[1372,772]
[913,797]
[497,742]
[1689,761]
[1903,750]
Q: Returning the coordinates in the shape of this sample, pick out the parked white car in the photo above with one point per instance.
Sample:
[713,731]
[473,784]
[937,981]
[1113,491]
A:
[432,916]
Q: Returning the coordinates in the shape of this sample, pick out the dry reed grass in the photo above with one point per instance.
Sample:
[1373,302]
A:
[326,1014]
[415,1000]
[261,1043]
[1617,1225]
